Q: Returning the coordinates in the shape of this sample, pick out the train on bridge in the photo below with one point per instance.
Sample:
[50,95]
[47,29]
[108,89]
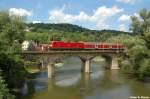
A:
[60,45]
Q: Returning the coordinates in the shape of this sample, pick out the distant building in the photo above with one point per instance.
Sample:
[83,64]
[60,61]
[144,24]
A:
[28,45]
[25,45]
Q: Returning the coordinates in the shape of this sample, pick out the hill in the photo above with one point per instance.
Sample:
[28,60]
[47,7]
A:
[68,32]
[42,27]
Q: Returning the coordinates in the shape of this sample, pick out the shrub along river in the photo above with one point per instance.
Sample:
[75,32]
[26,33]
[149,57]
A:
[70,83]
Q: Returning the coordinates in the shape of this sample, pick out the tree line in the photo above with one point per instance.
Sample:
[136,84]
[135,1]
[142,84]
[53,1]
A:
[46,32]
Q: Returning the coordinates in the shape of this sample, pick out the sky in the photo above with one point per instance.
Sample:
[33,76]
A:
[92,14]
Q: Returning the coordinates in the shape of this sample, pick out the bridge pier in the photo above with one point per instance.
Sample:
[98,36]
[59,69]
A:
[50,69]
[83,65]
[86,65]
[42,64]
[114,63]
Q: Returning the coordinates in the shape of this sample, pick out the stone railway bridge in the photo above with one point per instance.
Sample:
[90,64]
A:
[50,57]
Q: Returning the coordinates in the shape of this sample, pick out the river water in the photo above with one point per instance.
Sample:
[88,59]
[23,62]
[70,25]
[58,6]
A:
[70,83]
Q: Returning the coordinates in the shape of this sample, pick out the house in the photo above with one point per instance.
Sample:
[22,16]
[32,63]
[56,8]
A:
[28,45]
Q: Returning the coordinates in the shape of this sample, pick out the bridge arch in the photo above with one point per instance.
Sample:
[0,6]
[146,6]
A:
[110,59]
[100,61]
[68,60]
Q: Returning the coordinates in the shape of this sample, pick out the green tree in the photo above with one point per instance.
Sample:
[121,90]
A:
[11,35]
[11,31]
[4,91]
[136,57]
[142,23]
[38,37]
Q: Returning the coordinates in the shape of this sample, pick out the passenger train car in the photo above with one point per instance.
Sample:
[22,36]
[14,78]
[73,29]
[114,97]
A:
[60,45]
[84,45]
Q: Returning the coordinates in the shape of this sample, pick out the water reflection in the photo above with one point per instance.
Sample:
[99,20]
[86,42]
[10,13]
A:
[69,83]
[110,86]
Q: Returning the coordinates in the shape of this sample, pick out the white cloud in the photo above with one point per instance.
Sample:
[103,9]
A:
[127,1]
[124,18]
[106,12]
[58,16]
[19,12]
[99,16]
[122,27]
[136,15]
[34,22]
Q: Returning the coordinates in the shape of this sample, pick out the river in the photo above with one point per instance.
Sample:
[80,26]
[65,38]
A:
[70,83]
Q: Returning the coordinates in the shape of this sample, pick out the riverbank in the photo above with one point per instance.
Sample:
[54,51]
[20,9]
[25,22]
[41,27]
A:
[32,70]
[36,69]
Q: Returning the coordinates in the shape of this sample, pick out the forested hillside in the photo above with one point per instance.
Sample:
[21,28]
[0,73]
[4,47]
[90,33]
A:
[43,32]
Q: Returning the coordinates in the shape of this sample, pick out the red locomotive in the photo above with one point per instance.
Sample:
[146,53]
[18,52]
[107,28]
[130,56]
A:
[84,45]
[60,45]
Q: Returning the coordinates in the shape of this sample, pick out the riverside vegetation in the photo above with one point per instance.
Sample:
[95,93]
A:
[13,31]
[136,58]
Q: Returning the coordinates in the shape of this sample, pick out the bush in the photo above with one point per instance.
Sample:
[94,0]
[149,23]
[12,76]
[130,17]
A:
[12,70]
[144,70]
[4,91]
